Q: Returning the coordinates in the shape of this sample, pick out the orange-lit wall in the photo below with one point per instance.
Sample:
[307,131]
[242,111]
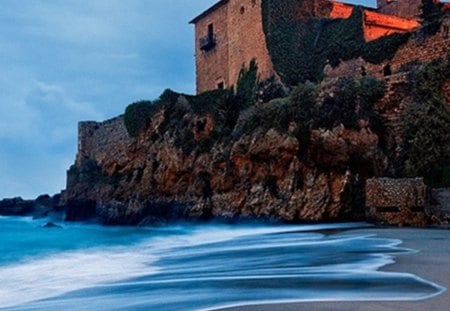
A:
[377,25]
[341,10]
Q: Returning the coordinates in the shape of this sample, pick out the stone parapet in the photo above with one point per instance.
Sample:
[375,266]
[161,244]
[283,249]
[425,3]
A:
[396,201]
[104,142]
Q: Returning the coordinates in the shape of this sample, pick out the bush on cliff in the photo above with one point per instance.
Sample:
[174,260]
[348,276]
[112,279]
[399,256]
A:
[352,102]
[247,85]
[432,15]
[137,116]
[427,126]
[279,113]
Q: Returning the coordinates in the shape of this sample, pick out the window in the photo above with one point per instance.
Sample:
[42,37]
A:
[210,31]
[387,71]
[208,43]
[242,10]
[220,85]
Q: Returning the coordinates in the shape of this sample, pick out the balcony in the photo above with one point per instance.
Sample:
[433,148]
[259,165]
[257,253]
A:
[208,43]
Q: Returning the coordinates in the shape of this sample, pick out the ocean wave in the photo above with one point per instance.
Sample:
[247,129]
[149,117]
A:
[187,267]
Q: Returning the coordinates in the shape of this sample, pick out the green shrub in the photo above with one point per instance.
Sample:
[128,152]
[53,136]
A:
[353,101]
[427,125]
[271,88]
[247,85]
[298,107]
[431,16]
[137,116]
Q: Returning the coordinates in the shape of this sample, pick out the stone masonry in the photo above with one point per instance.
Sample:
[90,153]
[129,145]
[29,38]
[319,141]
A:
[409,8]
[396,201]
[105,142]
[231,35]
[418,49]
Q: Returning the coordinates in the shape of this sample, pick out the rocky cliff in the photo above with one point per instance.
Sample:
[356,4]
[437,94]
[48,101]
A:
[182,165]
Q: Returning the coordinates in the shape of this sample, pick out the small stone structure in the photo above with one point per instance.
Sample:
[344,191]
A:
[105,142]
[396,201]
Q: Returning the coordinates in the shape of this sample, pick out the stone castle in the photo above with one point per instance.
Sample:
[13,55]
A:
[230,33]
[179,167]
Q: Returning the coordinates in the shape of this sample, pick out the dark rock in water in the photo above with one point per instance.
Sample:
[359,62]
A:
[51,225]
[40,214]
[134,212]
[44,205]
[79,210]
[15,207]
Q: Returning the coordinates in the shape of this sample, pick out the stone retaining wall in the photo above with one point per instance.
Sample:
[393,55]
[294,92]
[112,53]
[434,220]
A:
[396,201]
[105,142]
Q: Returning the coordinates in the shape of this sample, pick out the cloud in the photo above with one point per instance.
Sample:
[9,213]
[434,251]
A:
[67,61]
[72,60]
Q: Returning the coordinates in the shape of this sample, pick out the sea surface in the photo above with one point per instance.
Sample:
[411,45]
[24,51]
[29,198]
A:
[195,267]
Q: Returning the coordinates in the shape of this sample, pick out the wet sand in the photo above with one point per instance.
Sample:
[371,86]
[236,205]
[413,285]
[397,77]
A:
[431,262]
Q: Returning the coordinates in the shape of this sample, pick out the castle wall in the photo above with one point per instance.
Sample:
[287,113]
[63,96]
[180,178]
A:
[418,49]
[212,65]
[105,142]
[247,39]
[377,25]
[240,38]
[423,49]
[401,8]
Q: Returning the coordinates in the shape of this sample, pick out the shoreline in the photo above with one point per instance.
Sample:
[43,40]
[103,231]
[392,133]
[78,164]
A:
[429,261]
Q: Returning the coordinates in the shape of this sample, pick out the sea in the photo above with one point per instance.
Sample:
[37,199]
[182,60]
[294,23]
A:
[196,266]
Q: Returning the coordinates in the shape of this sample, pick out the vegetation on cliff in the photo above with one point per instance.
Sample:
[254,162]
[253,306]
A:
[432,16]
[257,151]
[427,126]
[137,116]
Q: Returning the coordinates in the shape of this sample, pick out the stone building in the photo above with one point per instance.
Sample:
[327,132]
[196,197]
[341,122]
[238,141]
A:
[230,33]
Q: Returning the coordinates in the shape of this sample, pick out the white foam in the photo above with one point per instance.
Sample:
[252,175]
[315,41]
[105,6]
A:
[55,275]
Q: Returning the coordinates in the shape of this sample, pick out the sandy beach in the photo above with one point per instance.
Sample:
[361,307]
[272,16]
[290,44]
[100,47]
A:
[430,262]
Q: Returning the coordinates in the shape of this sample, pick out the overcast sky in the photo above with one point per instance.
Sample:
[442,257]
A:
[63,61]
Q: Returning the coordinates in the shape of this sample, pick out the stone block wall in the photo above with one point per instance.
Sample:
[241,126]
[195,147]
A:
[396,201]
[418,49]
[422,49]
[212,65]
[401,8]
[247,39]
[105,142]
[240,38]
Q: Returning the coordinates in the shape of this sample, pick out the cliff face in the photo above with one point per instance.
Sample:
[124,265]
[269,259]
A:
[262,174]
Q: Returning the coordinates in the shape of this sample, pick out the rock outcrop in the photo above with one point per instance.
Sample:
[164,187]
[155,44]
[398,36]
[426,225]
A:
[15,207]
[168,174]
[44,206]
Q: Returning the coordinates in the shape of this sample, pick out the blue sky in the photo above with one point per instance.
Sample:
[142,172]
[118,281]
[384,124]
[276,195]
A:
[63,61]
